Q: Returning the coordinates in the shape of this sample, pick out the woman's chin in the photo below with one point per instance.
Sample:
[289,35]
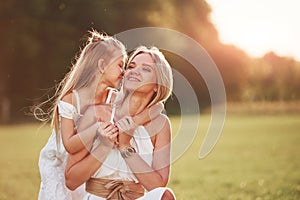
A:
[129,89]
[130,86]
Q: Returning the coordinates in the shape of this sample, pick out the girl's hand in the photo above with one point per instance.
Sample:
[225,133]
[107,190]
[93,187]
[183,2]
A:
[108,134]
[126,128]
[155,110]
[103,112]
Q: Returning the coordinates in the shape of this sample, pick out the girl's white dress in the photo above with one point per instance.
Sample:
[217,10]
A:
[53,160]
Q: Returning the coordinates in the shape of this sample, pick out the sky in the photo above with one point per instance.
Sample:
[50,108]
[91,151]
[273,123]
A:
[259,26]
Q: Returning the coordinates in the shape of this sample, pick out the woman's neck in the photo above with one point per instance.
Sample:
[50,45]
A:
[137,102]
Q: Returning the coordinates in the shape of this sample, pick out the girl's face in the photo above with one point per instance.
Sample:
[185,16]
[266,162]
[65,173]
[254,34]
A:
[114,72]
[140,75]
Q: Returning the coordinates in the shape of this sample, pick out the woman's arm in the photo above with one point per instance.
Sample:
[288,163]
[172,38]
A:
[156,175]
[82,165]
[79,171]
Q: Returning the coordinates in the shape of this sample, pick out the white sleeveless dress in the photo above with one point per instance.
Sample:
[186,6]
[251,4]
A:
[53,158]
[115,168]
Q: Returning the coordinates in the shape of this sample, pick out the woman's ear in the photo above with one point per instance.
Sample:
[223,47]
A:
[101,65]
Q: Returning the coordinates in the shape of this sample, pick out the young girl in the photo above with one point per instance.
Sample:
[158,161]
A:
[99,66]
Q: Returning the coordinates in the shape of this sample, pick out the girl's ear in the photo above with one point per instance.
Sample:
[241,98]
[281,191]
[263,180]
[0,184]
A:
[101,65]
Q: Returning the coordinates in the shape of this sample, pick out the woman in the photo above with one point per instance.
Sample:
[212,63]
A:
[142,159]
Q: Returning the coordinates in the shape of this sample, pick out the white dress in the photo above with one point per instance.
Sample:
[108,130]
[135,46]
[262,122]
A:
[53,160]
[115,167]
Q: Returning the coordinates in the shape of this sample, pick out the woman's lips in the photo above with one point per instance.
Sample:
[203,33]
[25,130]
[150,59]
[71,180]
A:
[131,78]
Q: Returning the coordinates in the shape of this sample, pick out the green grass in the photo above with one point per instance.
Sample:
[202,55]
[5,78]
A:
[257,157]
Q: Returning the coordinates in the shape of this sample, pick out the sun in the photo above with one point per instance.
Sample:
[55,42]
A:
[258,27]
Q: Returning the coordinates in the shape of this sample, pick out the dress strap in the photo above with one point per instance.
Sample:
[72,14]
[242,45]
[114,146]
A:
[113,112]
[109,101]
[77,100]
[110,92]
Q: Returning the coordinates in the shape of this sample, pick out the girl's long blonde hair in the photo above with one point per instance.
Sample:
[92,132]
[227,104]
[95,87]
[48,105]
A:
[84,71]
[163,73]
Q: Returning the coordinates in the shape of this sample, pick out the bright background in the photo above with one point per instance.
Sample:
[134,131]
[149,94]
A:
[259,26]
[251,43]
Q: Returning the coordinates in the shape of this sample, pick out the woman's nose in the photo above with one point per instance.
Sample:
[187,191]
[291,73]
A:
[135,70]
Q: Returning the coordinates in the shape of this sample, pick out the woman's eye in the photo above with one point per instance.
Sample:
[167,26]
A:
[130,67]
[147,69]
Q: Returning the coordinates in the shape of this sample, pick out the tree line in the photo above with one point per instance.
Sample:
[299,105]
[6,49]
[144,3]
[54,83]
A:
[39,39]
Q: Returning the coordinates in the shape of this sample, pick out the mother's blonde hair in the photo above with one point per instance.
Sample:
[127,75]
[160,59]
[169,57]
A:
[164,76]
[85,69]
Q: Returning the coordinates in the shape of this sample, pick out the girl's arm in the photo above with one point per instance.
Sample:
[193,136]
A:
[128,124]
[75,141]
[148,114]
[156,175]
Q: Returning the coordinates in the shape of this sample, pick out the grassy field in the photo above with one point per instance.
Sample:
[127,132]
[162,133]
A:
[257,157]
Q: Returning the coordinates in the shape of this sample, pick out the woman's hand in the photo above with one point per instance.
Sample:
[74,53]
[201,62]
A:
[108,134]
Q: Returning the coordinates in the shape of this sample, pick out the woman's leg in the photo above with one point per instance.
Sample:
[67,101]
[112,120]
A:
[168,195]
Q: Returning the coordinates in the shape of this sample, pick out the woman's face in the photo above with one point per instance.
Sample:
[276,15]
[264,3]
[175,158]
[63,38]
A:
[114,72]
[140,75]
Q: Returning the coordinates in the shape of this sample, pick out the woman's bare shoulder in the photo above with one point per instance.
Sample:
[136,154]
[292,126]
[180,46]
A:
[161,131]
[161,124]
[163,119]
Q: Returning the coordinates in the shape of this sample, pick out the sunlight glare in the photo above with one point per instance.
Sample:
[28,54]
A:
[259,27]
